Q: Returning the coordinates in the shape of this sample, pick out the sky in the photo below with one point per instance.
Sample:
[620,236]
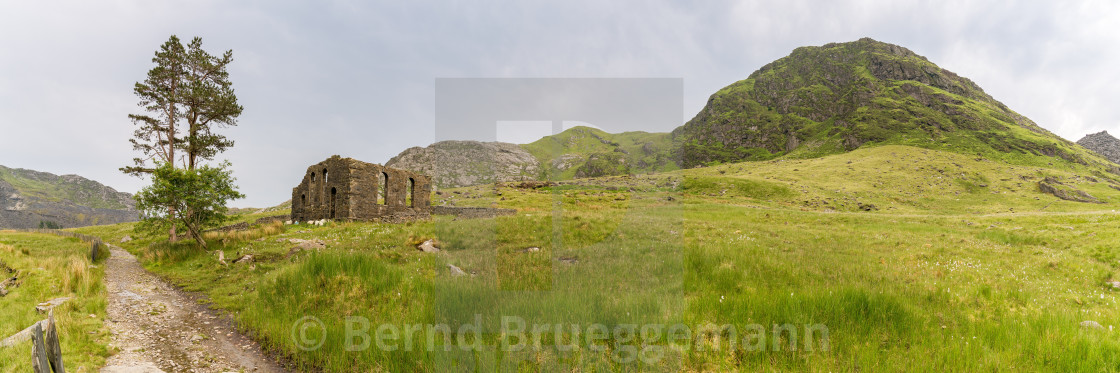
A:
[357,78]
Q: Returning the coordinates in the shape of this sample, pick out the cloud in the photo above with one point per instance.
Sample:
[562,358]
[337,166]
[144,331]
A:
[357,78]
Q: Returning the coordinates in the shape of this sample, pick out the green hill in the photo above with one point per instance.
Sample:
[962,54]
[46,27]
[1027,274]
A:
[29,199]
[842,96]
[581,152]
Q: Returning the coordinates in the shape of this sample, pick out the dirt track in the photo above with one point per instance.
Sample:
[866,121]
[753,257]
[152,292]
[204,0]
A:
[158,328]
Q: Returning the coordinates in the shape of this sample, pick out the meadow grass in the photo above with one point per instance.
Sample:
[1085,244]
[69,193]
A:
[51,267]
[963,265]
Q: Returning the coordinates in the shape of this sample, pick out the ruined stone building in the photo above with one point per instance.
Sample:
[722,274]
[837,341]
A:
[348,189]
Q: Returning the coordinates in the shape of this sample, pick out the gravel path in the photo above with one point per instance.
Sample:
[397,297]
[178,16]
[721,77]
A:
[161,329]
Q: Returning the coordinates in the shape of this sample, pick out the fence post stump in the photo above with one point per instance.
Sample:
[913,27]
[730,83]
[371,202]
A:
[54,349]
[39,362]
[93,248]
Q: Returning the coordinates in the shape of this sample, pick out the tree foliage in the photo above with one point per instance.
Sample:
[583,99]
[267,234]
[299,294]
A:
[188,88]
[47,224]
[160,97]
[203,192]
[209,102]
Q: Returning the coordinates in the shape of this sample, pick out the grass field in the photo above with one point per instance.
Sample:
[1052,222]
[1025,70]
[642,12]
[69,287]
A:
[906,258]
[50,267]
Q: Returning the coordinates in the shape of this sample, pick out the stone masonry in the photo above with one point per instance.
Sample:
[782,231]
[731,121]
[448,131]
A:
[347,189]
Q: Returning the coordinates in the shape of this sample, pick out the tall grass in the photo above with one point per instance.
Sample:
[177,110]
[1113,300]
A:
[942,275]
[51,267]
[228,237]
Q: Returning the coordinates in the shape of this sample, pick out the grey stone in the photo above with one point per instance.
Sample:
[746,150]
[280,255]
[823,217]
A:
[456,271]
[1090,324]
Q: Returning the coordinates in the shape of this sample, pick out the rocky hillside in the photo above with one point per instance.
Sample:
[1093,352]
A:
[30,199]
[459,163]
[1102,143]
[841,96]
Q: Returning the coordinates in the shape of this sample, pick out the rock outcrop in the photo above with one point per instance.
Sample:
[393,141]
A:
[1104,144]
[461,163]
[1065,191]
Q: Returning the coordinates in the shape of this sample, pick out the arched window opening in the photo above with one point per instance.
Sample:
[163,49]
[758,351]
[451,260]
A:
[334,194]
[300,208]
[311,188]
[383,189]
[323,191]
[408,192]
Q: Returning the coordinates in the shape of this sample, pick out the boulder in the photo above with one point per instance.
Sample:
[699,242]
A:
[247,258]
[50,304]
[428,246]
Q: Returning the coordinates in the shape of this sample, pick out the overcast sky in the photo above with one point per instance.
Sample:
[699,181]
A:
[357,78]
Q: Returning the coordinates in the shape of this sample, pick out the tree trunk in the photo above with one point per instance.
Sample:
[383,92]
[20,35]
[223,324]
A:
[171,155]
[194,230]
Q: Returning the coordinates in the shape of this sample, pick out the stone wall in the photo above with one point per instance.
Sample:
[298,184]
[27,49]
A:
[347,189]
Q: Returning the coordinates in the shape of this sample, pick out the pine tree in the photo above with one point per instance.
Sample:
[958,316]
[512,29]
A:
[160,96]
[190,87]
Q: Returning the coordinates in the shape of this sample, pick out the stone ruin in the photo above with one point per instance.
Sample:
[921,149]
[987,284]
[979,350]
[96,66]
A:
[347,189]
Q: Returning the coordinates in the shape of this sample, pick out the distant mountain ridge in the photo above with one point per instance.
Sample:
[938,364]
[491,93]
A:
[575,153]
[818,101]
[1104,144]
[30,199]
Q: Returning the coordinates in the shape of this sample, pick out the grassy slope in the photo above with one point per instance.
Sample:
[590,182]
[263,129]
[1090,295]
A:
[54,267]
[965,266]
[901,179]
